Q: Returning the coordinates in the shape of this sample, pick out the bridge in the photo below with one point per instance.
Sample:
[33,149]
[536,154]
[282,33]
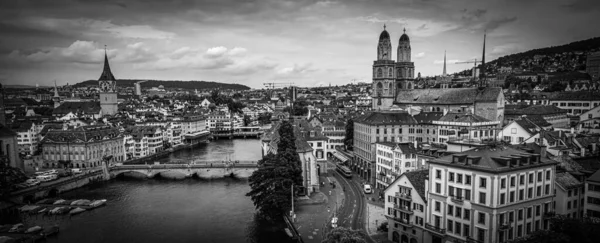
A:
[205,170]
[243,132]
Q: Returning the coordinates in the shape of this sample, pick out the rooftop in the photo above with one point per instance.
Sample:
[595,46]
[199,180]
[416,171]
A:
[386,118]
[448,96]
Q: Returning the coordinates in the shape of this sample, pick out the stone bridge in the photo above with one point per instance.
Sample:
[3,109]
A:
[205,170]
[54,188]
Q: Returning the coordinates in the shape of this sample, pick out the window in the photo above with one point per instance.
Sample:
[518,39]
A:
[511,197]
[467,194]
[513,131]
[438,188]
[482,182]
[522,180]
[569,205]
[502,183]
[458,178]
[521,194]
[502,198]
[437,206]
[458,213]
[451,176]
[449,225]
[538,210]
[529,192]
[450,210]
[539,176]
[547,175]
[529,212]
[467,214]
[520,214]
[438,174]
[466,230]
[519,230]
[468,179]
[481,234]
[481,218]
[538,191]
[482,197]
[451,191]
[531,178]
[512,181]
[457,228]
[547,191]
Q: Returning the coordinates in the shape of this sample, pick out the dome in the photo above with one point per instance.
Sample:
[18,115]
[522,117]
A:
[404,37]
[384,35]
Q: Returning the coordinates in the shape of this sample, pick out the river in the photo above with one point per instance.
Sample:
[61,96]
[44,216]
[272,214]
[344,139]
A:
[159,210]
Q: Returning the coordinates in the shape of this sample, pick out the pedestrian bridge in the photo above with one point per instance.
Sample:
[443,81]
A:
[207,170]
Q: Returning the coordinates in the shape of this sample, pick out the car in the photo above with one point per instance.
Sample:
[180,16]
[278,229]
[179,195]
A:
[17,228]
[32,182]
[76,170]
[367,188]
[51,171]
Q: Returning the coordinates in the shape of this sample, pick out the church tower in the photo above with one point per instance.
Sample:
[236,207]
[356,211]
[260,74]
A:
[108,90]
[405,69]
[383,74]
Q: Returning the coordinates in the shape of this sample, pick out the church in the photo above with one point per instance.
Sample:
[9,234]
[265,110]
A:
[393,86]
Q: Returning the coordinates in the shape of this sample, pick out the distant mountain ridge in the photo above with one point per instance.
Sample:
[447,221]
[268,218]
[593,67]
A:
[170,84]
[562,58]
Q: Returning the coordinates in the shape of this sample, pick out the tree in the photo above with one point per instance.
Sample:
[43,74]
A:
[265,118]
[563,230]
[344,235]
[349,139]
[247,120]
[277,173]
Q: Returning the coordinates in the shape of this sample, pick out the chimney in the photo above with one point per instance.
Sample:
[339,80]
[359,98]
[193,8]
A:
[445,111]
[572,131]
[416,144]
[559,133]
[542,152]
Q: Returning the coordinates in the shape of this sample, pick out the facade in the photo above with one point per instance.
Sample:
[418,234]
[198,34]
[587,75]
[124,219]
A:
[147,140]
[570,198]
[576,103]
[392,160]
[381,126]
[335,131]
[518,131]
[108,90]
[552,114]
[592,196]
[390,76]
[9,147]
[593,65]
[193,128]
[460,126]
[406,207]
[492,194]
[27,136]
[82,147]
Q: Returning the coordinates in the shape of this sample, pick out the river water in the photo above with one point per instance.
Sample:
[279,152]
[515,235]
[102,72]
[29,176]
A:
[159,210]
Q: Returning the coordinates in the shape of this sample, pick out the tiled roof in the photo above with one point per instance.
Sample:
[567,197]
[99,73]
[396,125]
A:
[490,159]
[578,95]
[448,96]
[595,177]
[428,117]
[462,117]
[386,118]
[529,126]
[417,179]
[82,134]
[567,181]
[535,110]
[87,107]
[138,132]
[538,120]
[588,164]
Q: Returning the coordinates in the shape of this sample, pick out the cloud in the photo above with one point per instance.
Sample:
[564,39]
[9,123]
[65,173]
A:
[91,27]
[295,70]
[420,55]
[414,26]
[78,52]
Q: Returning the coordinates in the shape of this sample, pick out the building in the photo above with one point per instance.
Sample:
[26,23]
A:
[518,131]
[82,147]
[552,114]
[9,147]
[460,126]
[392,160]
[490,194]
[406,207]
[592,66]
[193,128]
[575,103]
[335,131]
[570,197]
[2,111]
[73,110]
[381,126]
[592,194]
[147,140]
[27,136]
[108,90]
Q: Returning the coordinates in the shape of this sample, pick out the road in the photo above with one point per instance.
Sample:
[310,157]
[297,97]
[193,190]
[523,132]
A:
[352,214]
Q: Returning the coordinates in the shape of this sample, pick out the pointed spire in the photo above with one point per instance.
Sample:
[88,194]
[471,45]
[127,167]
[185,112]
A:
[106,73]
[405,30]
[482,71]
[383,26]
[444,73]
[55,90]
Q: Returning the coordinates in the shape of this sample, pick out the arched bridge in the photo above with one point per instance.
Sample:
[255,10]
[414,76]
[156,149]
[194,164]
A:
[239,169]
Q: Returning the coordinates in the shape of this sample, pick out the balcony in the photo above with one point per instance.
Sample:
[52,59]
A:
[401,221]
[403,208]
[435,229]
[504,225]
[457,199]
[405,196]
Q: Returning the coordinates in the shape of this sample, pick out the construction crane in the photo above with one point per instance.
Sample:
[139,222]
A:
[474,61]
[271,86]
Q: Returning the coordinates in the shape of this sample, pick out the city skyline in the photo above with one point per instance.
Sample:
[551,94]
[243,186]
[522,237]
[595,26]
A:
[310,43]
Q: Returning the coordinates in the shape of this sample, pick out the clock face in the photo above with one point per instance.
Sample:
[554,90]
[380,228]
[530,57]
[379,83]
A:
[106,86]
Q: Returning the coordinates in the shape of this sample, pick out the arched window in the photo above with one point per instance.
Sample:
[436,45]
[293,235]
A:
[379,87]
[409,86]
[399,74]
[379,73]
[391,72]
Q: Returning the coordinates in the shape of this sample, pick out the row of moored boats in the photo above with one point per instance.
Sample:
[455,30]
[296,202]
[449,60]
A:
[61,206]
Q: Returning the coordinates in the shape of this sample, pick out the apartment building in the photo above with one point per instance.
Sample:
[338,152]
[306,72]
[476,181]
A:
[592,196]
[576,103]
[393,159]
[147,140]
[381,126]
[406,207]
[489,194]
[460,126]
[569,200]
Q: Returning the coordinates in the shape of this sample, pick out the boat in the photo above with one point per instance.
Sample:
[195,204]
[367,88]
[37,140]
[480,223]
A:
[63,210]
[37,210]
[44,210]
[45,201]
[66,202]
[54,210]
[51,231]
[98,203]
[59,201]
[28,208]
[34,229]
[82,202]
[76,211]
[74,203]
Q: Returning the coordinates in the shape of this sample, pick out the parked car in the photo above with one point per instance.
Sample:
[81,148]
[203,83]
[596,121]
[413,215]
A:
[367,189]
[76,170]
[32,182]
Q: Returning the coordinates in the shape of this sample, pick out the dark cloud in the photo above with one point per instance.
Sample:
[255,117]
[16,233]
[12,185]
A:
[583,5]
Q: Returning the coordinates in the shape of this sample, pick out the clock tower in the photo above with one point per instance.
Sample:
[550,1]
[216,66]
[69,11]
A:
[108,90]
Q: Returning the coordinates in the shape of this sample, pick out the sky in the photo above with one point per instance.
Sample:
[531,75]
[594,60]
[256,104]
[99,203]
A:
[250,42]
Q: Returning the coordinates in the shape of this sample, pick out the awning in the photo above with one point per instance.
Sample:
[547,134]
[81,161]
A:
[340,157]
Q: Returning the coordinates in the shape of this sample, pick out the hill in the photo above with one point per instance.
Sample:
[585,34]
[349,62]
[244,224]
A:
[563,58]
[170,84]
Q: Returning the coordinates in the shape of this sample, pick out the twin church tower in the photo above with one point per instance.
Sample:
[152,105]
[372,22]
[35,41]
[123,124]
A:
[391,76]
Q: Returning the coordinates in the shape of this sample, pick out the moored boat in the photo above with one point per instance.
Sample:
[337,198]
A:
[77,211]
[59,201]
[34,229]
[98,203]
